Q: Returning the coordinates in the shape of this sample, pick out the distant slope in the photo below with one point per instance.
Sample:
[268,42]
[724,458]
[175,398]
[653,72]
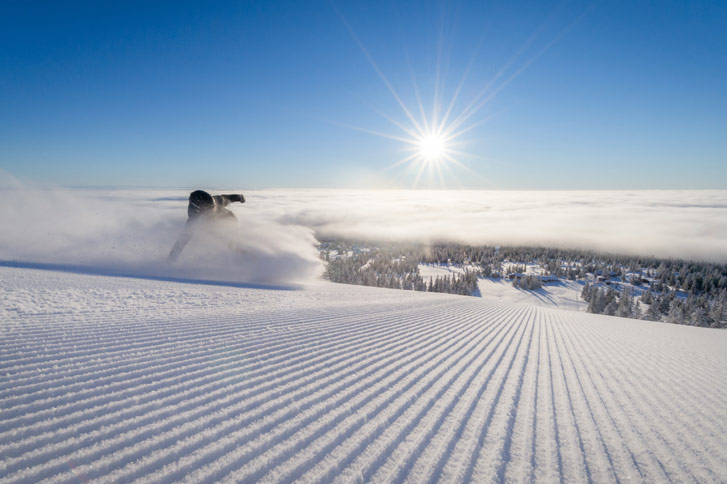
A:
[563,294]
[120,380]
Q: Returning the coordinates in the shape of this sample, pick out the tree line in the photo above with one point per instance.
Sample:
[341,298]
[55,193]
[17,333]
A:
[642,287]
[393,266]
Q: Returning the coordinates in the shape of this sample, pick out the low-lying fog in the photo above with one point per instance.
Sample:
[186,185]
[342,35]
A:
[133,230]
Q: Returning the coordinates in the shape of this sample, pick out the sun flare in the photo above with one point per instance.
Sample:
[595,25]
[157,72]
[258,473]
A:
[432,147]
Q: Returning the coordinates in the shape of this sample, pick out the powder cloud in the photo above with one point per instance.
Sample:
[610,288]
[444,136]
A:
[131,232]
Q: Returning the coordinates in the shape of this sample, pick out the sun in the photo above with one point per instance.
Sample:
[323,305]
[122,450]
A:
[432,147]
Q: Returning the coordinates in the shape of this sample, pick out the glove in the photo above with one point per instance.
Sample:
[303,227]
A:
[237,198]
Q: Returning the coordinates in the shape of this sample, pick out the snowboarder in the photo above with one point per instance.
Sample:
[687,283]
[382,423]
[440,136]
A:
[204,209]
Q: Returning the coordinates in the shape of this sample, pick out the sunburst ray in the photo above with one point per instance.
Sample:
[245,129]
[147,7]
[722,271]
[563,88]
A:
[434,141]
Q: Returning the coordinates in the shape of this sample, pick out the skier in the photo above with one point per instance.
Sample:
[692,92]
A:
[204,209]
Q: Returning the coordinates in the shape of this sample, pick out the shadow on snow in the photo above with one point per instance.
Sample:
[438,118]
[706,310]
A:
[112,272]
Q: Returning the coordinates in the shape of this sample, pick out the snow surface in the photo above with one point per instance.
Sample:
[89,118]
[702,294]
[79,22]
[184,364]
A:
[563,294]
[112,379]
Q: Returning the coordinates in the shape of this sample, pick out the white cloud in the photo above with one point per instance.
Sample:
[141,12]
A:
[684,224]
[132,231]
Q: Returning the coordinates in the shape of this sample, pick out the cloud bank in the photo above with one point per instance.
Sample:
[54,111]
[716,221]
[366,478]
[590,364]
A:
[680,224]
[132,231]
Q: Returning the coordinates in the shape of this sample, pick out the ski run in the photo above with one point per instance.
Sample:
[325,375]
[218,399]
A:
[110,379]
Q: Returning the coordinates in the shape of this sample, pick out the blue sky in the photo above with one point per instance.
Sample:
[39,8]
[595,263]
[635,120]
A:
[583,95]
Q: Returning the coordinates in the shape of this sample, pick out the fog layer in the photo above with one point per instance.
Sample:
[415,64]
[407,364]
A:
[682,224]
[133,230]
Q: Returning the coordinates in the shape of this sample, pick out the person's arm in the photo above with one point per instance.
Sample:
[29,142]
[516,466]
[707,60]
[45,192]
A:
[222,200]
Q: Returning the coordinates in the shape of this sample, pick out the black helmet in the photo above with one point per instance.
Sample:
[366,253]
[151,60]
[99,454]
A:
[199,202]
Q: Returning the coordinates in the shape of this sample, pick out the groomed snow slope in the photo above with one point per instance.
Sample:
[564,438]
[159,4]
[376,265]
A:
[109,379]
